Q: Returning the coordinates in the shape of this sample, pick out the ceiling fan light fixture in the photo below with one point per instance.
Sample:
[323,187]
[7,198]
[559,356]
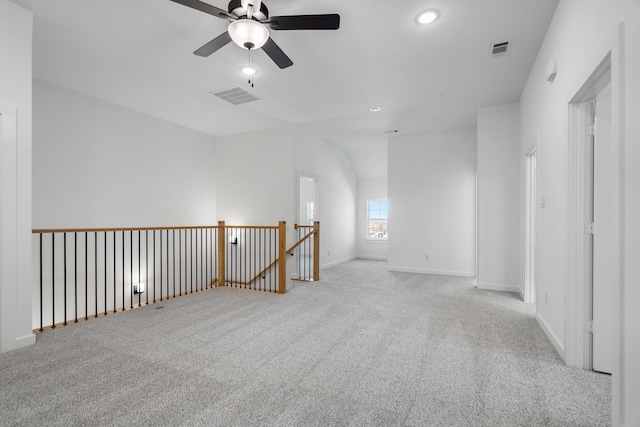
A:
[248,34]
[428,16]
[249,71]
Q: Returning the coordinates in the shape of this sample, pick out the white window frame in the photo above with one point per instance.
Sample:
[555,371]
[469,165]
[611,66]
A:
[368,236]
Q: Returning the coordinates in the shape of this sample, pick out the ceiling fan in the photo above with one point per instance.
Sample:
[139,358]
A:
[250,23]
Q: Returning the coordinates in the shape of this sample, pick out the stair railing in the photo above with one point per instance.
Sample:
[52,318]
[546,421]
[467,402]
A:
[87,273]
[308,246]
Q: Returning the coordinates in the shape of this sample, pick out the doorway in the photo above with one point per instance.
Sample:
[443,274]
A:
[596,219]
[530,226]
[607,62]
[307,214]
[307,197]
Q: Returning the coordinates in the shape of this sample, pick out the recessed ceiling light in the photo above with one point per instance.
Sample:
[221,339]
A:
[375,109]
[428,16]
[249,71]
[438,95]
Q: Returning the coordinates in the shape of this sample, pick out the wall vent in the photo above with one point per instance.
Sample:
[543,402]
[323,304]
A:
[499,49]
[235,96]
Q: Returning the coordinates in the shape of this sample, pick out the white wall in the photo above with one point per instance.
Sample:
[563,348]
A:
[337,187]
[256,178]
[369,189]
[578,30]
[630,352]
[16,26]
[96,164]
[370,162]
[499,208]
[257,181]
[432,203]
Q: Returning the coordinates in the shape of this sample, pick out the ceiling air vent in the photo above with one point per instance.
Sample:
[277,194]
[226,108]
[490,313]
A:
[235,96]
[499,49]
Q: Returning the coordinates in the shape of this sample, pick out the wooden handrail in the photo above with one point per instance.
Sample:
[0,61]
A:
[262,272]
[254,227]
[300,241]
[102,230]
[291,249]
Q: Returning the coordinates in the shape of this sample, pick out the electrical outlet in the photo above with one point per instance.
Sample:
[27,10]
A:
[328,253]
[426,257]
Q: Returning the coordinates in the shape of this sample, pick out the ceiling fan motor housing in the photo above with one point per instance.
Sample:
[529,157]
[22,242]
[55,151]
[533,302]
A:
[237,9]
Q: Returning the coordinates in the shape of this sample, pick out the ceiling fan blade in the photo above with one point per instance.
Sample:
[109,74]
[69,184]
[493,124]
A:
[214,45]
[206,8]
[276,54]
[304,22]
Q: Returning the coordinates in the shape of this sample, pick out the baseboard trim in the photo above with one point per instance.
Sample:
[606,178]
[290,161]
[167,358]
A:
[20,342]
[338,262]
[429,271]
[551,336]
[371,257]
[502,288]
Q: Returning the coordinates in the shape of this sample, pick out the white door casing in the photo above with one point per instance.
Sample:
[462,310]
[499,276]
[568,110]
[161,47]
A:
[603,261]
[530,226]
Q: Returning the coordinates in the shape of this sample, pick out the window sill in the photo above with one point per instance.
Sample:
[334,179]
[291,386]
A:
[376,241]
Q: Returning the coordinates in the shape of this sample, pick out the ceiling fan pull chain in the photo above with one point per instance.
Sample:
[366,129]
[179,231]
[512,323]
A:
[251,67]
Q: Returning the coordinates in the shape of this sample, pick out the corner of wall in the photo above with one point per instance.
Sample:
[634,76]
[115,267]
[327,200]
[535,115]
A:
[16,29]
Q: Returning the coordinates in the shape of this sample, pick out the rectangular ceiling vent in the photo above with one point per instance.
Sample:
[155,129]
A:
[499,49]
[235,96]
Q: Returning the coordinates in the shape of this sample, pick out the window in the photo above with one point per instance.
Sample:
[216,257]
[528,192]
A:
[377,213]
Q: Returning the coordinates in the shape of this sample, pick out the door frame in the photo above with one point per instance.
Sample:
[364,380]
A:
[316,217]
[314,178]
[530,203]
[577,346]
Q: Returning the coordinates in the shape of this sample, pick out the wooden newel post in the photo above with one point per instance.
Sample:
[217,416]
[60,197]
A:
[282,257]
[221,254]
[316,251]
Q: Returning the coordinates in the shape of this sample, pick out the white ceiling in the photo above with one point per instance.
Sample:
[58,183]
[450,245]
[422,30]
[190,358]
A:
[138,54]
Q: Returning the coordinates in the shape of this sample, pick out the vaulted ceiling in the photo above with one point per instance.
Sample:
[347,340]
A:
[139,54]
